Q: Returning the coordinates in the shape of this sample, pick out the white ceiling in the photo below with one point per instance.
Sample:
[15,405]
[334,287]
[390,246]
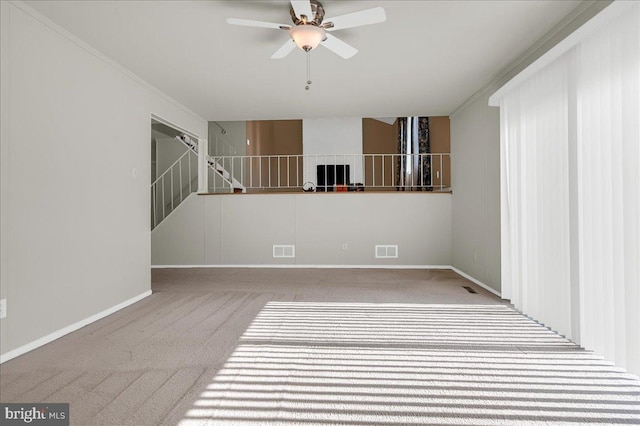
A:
[426,59]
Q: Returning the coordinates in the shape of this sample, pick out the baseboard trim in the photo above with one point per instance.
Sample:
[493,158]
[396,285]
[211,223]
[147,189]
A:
[296,266]
[475,281]
[71,328]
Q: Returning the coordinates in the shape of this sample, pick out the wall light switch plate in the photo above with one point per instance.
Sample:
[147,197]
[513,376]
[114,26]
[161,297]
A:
[3,308]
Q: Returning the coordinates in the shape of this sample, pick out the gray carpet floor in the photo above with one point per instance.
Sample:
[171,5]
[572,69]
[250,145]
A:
[320,347]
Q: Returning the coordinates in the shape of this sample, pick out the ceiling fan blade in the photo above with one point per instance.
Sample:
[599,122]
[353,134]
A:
[339,47]
[302,7]
[259,24]
[356,19]
[284,50]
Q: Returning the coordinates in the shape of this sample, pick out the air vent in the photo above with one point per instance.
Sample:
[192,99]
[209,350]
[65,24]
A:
[280,251]
[386,252]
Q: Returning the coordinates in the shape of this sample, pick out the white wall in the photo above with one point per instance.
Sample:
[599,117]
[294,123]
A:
[168,150]
[227,230]
[475,159]
[234,142]
[336,136]
[75,182]
[475,178]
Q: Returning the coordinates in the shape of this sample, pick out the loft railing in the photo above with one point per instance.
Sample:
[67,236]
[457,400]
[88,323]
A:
[336,172]
[285,173]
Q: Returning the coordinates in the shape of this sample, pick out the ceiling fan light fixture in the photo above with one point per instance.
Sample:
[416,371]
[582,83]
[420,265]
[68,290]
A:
[307,37]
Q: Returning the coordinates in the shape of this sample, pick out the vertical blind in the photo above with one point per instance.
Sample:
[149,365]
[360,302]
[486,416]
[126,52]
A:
[535,208]
[588,97]
[608,132]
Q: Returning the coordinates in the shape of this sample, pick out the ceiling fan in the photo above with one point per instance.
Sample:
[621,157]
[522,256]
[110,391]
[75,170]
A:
[308,29]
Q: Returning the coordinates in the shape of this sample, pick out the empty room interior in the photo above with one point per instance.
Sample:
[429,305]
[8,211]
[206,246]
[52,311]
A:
[320,212]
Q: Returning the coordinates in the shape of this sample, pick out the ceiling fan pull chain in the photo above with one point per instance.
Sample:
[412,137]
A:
[308,86]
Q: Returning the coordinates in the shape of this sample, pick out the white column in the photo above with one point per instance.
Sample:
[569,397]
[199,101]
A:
[203,167]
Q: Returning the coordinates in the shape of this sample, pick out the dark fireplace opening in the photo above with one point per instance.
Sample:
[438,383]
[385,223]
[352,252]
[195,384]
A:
[333,175]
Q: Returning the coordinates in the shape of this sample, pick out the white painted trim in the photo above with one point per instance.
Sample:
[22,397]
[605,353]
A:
[475,281]
[89,49]
[295,266]
[71,328]
[168,123]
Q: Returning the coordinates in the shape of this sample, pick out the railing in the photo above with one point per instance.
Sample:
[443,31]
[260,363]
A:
[284,173]
[219,178]
[173,186]
[340,172]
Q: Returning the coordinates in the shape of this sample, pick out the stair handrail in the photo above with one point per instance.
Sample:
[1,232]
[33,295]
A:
[158,215]
[172,165]
[193,146]
[212,162]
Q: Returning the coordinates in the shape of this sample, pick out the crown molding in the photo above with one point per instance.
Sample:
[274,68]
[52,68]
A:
[570,23]
[23,7]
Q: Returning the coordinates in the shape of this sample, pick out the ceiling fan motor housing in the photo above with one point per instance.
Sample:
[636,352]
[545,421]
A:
[318,15]
[309,28]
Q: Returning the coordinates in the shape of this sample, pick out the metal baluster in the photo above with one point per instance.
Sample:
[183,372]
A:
[373,170]
[393,170]
[354,160]
[180,168]
[172,189]
[325,174]
[441,174]
[413,157]
[190,178]
[153,208]
[431,172]
[344,170]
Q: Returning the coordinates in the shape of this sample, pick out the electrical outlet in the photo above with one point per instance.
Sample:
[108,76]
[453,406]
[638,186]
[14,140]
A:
[345,246]
[3,308]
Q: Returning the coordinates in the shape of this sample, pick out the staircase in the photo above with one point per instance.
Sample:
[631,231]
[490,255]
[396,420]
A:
[224,177]
[180,180]
[231,182]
